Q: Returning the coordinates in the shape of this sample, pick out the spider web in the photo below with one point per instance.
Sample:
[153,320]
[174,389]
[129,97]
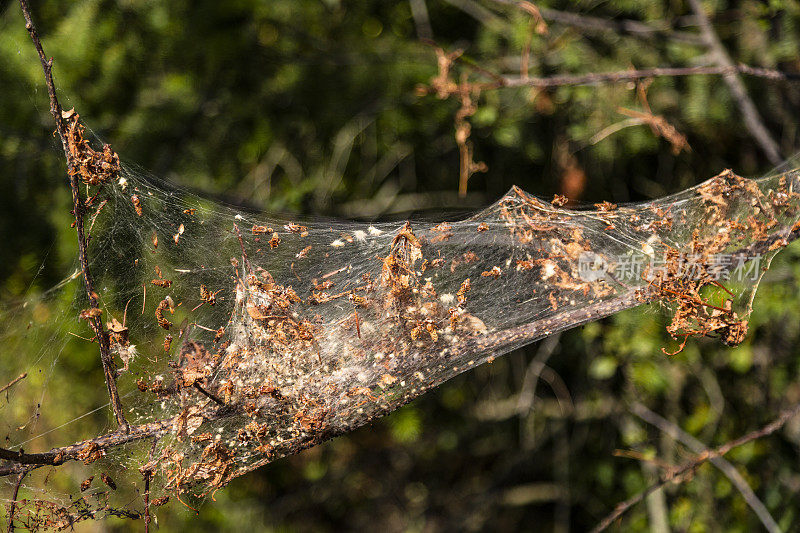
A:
[240,338]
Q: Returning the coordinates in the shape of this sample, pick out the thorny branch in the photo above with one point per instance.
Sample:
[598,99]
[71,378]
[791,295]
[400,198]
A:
[683,473]
[78,209]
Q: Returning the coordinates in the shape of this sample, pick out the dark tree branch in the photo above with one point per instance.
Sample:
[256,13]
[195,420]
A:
[631,27]
[216,399]
[584,22]
[75,451]
[752,119]
[148,474]
[596,78]
[77,205]
[681,474]
[727,68]
[12,508]
[721,463]
[617,26]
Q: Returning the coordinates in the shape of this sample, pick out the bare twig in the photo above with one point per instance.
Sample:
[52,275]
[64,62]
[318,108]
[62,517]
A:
[244,251]
[623,26]
[216,399]
[537,25]
[658,515]
[13,506]
[527,392]
[752,119]
[77,205]
[631,27]
[658,124]
[148,474]
[680,474]
[614,128]
[59,456]
[13,382]
[724,466]
[596,78]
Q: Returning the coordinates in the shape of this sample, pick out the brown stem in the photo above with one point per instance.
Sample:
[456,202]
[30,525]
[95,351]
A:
[147,475]
[13,506]
[244,251]
[77,207]
[13,382]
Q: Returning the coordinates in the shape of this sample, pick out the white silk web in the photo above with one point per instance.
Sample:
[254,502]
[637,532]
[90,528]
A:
[241,338]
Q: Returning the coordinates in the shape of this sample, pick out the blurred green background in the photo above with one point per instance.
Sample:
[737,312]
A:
[311,107]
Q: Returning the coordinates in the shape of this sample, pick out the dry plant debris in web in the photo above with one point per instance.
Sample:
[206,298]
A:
[248,339]
[467,93]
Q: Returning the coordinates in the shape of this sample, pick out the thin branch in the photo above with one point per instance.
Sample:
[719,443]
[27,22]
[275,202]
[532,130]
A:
[13,506]
[632,27]
[213,397]
[596,78]
[74,451]
[681,474]
[527,392]
[622,26]
[752,119]
[13,382]
[77,205]
[148,474]
[721,463]
[614,128]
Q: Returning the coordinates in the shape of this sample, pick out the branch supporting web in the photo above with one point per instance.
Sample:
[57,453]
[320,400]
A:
[240,338]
